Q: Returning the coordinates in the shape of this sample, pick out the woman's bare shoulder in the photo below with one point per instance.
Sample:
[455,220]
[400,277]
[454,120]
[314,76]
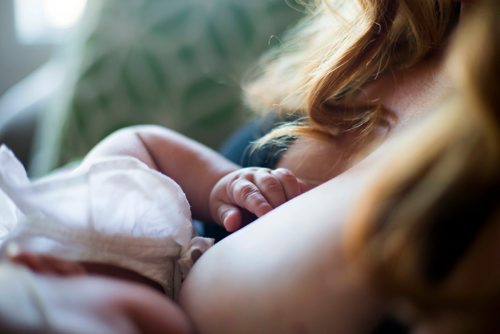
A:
[261,278]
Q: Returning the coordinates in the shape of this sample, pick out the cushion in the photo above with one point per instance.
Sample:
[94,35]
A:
[177,63]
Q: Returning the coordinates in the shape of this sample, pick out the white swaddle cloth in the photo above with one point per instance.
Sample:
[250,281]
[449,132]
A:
[118,211]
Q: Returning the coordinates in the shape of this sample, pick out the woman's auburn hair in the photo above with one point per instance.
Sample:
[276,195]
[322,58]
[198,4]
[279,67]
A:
[428,231]
[338,48]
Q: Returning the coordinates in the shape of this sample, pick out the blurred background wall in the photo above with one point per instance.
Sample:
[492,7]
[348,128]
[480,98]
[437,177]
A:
[32,34]
[17,60]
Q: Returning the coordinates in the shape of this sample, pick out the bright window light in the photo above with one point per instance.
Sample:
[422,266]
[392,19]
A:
[64,13]
[46,21]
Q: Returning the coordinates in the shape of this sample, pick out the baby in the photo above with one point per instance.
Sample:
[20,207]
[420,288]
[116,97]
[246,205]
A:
[117,212]
[117,217]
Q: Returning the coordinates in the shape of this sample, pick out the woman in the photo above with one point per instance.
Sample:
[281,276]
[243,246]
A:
[289,271]
[297,268]
[428,233]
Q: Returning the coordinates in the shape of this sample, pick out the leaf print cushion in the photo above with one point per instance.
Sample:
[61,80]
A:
[177,63]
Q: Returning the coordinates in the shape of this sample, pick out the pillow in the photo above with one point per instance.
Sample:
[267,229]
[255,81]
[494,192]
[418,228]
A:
[177,63]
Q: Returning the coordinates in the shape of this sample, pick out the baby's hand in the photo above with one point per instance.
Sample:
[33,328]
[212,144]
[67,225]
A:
[256,190]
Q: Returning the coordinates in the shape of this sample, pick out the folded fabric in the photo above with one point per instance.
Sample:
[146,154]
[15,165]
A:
[117,211]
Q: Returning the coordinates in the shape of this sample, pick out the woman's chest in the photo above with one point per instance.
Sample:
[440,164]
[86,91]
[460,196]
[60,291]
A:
[317,161]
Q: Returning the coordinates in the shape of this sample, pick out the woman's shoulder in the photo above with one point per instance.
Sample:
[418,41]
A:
[285,260]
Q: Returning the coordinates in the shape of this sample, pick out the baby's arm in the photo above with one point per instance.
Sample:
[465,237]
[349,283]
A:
[255,190]
[195,167]
[215,187]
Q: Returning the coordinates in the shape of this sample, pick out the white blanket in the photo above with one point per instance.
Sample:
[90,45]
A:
[118,211]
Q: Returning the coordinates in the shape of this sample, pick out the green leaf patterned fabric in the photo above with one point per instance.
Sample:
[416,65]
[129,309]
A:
[178,63]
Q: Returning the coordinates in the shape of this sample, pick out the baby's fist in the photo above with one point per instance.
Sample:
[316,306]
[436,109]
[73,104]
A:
[254,189]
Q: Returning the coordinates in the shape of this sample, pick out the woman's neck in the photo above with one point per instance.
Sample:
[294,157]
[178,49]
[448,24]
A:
[410,93]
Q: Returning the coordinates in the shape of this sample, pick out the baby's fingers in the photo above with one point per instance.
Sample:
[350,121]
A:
[291,185]
[270,187]
[229,216]
[248,196]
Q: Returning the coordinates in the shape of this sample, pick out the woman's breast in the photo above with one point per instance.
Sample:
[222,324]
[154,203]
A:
[285,272]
